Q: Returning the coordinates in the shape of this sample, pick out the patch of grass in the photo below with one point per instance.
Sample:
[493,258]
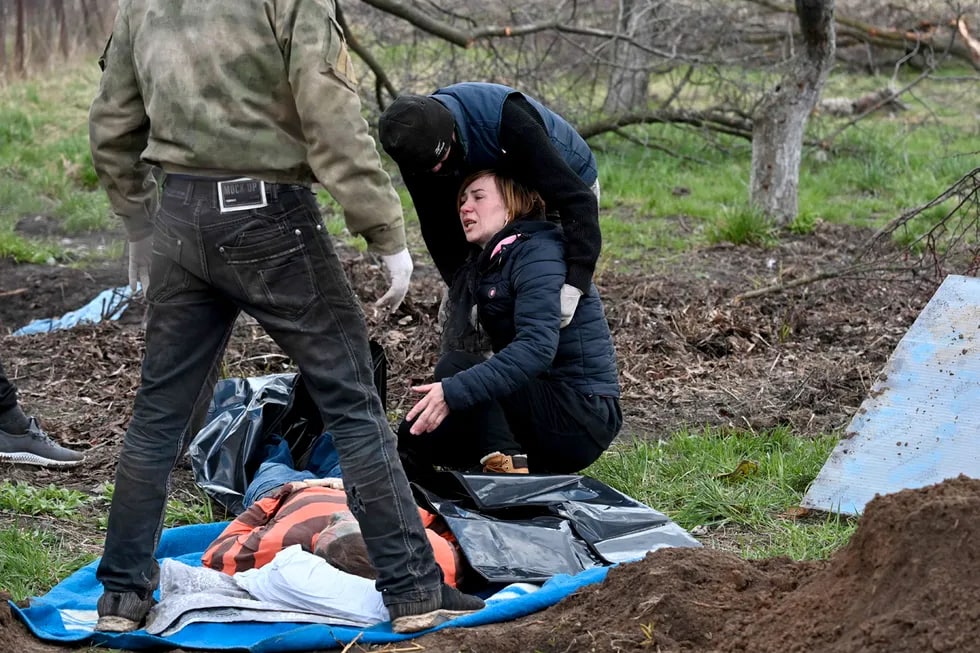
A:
[45,161]
[24,499]
[741,225]
[669,171]
[804,223]
[22,251]
[333,220]
[811,538]
[723,478]
[666,187]
[183,508]
[33,561]
[85,212]
[189,508]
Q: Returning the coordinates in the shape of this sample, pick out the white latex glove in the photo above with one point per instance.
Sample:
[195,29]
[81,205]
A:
[569,302]
[140,255]
[399,272]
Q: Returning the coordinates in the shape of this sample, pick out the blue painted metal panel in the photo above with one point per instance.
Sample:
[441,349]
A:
[920,423]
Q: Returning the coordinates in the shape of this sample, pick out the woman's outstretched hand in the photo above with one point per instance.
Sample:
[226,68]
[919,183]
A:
[430,410]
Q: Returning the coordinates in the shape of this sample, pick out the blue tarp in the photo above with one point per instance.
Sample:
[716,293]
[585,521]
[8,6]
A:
[108,305]
[919,424]
[67,613]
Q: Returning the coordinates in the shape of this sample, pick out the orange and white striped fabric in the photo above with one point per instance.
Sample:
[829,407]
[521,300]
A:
[296,516]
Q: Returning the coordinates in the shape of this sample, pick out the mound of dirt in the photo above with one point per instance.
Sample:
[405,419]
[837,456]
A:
[907,582]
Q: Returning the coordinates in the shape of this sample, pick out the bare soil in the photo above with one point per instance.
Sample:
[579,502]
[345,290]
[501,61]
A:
[688,356]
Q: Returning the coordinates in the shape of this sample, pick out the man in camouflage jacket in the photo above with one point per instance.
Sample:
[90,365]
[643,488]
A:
[241,106]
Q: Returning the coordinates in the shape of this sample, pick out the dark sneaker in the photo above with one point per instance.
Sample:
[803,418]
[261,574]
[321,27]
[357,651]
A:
[34,447]
[499,463]
[122,612]
[422,615]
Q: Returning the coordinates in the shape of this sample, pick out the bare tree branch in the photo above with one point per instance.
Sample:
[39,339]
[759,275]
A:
[891,38]
[714,120]
[468,39]
[422,21]
[949,242]
[382,81]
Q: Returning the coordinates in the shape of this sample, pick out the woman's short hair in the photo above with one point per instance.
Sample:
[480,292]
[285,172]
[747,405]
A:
[520,201]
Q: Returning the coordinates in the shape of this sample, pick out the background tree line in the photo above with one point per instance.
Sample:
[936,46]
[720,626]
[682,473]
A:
[750,69]
[37,33]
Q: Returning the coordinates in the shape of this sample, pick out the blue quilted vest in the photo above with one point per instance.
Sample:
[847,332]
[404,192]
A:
[477,108]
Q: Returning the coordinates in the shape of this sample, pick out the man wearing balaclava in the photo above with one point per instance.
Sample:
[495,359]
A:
[437,140]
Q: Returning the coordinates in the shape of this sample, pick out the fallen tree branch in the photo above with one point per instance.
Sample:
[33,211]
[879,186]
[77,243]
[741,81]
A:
[865,104]
[971,43]
[714,120]
[885,99]
[782,287]
[894,39]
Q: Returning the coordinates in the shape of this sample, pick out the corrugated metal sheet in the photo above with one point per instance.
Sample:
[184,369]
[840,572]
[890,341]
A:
[920,423]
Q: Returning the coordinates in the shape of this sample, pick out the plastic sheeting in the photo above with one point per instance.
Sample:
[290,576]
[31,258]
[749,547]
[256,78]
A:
[109,304]
[243,414]
[919,424]
[511,528]
[514,528]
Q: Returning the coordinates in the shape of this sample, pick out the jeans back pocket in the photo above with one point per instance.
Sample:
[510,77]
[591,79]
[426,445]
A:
[272,266]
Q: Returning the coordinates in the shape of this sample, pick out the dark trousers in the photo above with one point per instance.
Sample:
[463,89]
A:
[278,265]
[560,429]
[8,394]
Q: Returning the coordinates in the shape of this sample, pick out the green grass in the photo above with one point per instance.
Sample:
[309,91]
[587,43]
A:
[741,225]
[666,188]
[183,508]
[190,508]
[24,499]
[33,561]
[698,195]
[695,478]
[26,251]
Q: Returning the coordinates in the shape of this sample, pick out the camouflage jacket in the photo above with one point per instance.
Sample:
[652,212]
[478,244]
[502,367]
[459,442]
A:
[256,88]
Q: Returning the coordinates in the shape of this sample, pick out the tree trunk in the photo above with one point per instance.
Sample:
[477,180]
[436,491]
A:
[59,12]
[40,34]
[3,38]
[629,81]
[21,30]
[777,135]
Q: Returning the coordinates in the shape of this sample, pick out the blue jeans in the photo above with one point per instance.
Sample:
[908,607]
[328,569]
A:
[278,468]
[278,265]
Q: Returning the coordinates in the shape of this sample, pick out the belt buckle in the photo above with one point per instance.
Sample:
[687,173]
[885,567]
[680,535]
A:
[241,194]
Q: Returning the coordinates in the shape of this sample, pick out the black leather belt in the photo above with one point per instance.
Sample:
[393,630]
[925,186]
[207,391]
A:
[229,193]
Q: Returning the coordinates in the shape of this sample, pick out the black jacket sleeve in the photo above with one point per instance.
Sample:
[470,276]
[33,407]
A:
[535,162]
[434,198]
